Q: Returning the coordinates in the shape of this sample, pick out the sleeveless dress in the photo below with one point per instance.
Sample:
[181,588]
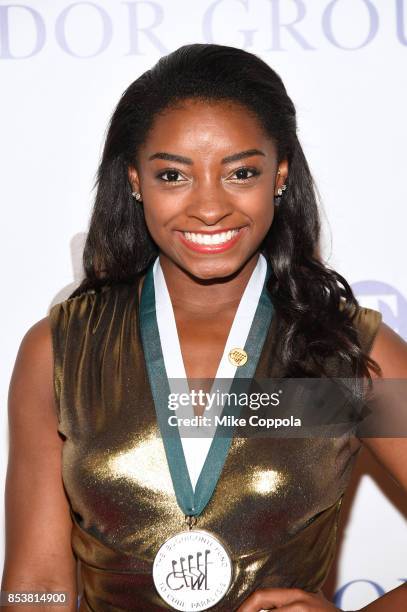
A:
[276,504]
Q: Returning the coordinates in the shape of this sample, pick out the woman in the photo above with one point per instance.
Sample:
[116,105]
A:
[201,167]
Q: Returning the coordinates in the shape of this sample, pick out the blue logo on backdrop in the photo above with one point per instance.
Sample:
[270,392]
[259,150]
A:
[388,300]
[378,590]
[145,19]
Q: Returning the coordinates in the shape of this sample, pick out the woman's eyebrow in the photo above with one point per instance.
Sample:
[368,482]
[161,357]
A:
[189,162]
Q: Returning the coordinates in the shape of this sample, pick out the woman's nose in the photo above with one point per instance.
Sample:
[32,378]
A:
[210,203]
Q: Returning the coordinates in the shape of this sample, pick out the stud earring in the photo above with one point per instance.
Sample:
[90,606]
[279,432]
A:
[281,189]
[136,195]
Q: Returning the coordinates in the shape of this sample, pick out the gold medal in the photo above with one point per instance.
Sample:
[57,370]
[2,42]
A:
[237,356]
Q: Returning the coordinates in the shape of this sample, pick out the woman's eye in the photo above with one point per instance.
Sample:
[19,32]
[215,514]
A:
[174,176]
[241,174]
[171,176]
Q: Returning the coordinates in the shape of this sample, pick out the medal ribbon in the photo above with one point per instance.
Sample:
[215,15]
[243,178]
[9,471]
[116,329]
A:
[193,503]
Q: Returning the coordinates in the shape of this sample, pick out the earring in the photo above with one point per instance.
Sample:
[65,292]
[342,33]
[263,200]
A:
[277,198]
[136,195]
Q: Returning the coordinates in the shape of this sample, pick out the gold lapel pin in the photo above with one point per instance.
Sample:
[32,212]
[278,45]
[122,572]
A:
[237,356]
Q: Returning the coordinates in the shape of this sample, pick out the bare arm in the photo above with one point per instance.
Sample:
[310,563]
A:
[390,351]
[39,556]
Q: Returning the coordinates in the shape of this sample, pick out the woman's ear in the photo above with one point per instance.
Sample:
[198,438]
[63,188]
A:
[133,179]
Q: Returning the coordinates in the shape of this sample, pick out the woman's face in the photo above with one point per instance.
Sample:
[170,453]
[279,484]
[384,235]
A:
[207,175]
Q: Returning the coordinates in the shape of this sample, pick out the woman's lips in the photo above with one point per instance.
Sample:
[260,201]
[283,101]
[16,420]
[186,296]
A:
[211,248]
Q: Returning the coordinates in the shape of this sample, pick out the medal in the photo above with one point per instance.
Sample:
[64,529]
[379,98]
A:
[193,569]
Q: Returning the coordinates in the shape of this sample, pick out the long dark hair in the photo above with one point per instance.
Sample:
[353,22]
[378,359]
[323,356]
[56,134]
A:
[315,303]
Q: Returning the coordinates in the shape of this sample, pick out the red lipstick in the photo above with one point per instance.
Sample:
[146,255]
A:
[212,248]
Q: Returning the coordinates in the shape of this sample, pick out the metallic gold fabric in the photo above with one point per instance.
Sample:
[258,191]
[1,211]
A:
[277,501]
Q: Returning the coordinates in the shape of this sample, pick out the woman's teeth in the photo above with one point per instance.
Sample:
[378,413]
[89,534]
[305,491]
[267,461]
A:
[211,238]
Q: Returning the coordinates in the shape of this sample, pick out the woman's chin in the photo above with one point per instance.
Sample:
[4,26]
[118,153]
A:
[213,270]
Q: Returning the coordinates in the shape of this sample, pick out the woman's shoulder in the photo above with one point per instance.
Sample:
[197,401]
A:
[366,321]
[91,299]
[91,310]
[85,296]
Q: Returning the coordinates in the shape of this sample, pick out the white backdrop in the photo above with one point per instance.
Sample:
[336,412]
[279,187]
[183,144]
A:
[63,67]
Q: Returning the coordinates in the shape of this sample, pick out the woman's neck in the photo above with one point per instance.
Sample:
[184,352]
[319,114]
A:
[194,295]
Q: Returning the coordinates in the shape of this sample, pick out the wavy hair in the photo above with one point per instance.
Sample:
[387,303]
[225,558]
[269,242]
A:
[315,303]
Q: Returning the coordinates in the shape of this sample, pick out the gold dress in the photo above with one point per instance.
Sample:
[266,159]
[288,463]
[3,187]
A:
[277,501]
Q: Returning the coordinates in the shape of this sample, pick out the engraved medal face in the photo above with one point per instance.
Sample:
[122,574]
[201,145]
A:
[237,356]
[192,570]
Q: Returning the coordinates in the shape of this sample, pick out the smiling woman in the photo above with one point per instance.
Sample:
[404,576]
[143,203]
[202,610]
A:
[201,262]
[207,202]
